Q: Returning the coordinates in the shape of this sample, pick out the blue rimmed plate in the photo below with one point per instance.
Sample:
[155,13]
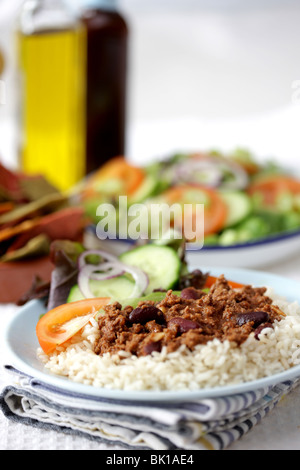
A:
[21,345]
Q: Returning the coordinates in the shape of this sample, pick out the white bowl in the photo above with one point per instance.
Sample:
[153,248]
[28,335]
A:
[249,255]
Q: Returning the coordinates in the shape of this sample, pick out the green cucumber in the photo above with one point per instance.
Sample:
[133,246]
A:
[161,263]
[239,207]
[117,288]
[146,190]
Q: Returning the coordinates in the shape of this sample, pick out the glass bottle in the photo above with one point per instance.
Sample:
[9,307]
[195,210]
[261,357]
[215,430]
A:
[52,66]
[107,44]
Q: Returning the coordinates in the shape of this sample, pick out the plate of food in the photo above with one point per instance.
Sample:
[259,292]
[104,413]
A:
[251,209]
[145,327]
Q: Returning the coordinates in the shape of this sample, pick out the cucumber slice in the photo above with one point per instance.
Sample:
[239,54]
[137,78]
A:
[75,295]
[116,288]
[239,206]
[147,190]
[161,263]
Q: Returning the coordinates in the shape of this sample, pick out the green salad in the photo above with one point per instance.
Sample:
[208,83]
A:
[244,200]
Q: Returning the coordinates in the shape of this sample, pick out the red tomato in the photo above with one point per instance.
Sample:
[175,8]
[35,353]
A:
[215,209]
[272,186]
[128,177]
[61,324]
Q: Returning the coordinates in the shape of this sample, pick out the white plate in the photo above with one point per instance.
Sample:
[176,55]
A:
[21,344]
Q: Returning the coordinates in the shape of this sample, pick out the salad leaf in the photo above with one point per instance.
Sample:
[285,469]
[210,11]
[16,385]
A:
[72,250]
[20,188]
[64,224]
[37,187]
[64,255]
[45,205]
[9,185]
[38,246]
[39,290]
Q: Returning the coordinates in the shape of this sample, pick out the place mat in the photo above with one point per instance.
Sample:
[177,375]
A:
[210,424]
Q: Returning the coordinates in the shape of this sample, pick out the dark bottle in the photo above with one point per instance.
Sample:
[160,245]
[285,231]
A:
[107,44]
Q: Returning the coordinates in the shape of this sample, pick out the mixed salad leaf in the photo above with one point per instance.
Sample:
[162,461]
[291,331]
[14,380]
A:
[144,272]
[33,214]
[245,200]
[79,273]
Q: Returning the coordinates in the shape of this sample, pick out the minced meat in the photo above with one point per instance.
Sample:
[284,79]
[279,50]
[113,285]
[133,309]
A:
[193,318]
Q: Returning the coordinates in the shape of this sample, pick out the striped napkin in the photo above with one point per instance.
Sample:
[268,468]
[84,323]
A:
[209,424]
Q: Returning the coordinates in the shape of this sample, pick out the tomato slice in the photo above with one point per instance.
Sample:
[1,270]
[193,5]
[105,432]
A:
[273,186]
[116,176]
[62,323]
[215,209]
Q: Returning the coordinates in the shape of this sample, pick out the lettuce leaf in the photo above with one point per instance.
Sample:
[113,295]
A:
[64,255]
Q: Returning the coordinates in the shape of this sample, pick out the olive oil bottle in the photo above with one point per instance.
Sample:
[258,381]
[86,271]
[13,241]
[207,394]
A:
[52,65]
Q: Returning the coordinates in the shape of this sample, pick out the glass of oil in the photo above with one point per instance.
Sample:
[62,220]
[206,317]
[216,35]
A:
[52,69]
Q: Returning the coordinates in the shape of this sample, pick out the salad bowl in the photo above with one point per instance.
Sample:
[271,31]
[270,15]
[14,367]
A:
[251,209]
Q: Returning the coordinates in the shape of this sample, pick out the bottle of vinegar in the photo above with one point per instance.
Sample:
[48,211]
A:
[52,51]
[107,63]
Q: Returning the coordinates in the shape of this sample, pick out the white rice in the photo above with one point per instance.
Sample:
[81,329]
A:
[211,365]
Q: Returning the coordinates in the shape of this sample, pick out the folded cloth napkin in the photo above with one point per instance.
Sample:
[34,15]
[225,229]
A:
[209,424]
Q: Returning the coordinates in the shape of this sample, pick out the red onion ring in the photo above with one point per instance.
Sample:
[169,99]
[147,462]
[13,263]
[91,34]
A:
[214,167]
[100,253]
[187,172]
[109,270]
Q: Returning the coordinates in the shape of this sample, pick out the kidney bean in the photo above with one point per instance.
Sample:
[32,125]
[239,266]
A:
[256,317]
[260,328]
[151,347]
[145,314]
[183,324]
[190,293]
